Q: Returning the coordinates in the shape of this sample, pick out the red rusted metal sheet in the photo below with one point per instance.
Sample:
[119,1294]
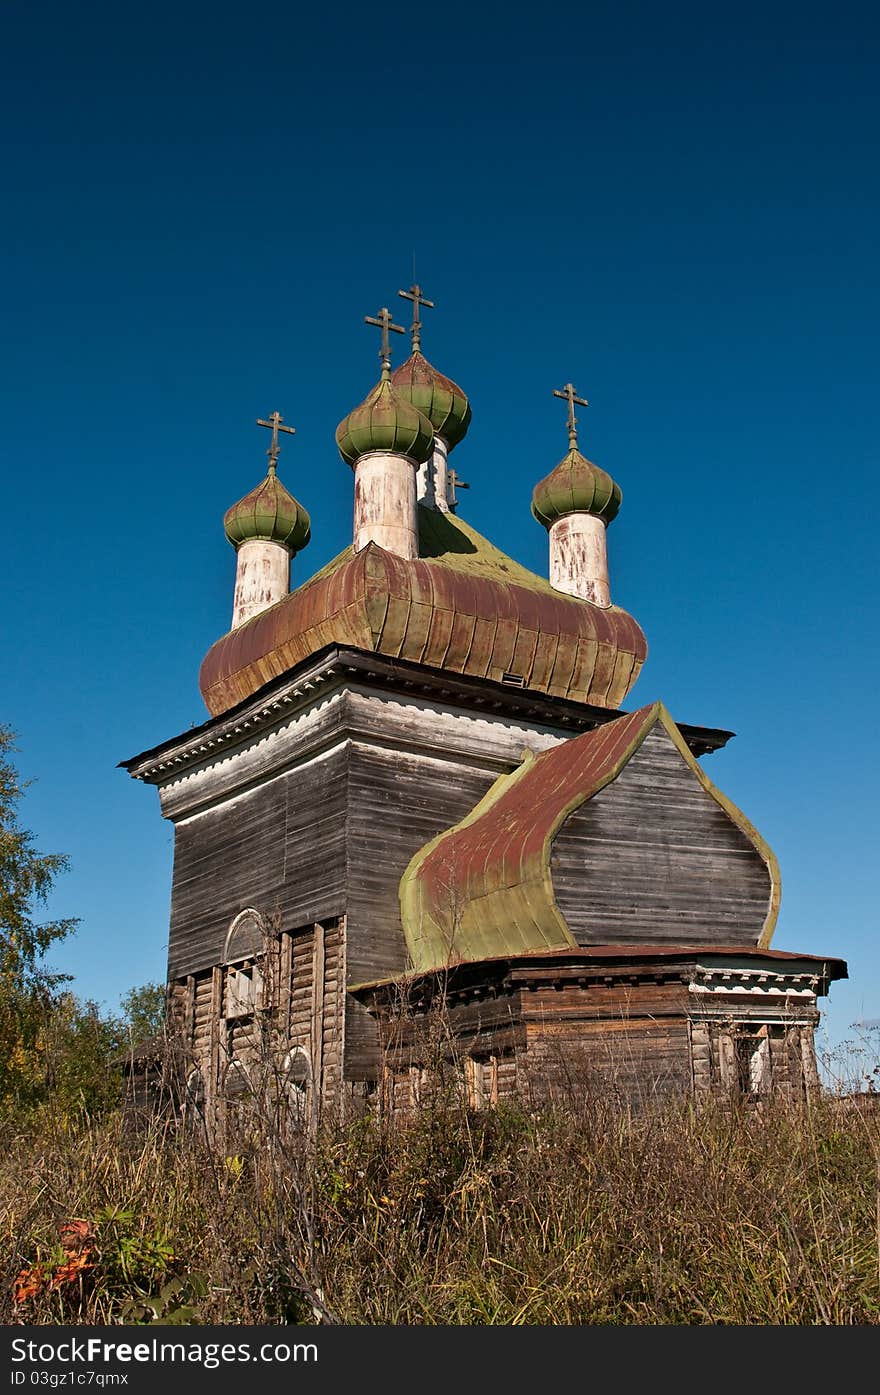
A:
[440,612]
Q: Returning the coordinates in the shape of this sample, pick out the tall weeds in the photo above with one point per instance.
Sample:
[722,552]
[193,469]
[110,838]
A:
[575,1215]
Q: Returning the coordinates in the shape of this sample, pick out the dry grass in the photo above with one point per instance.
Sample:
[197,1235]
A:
[578,1215]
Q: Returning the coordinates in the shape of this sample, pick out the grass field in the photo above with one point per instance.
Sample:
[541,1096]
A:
[738,1214]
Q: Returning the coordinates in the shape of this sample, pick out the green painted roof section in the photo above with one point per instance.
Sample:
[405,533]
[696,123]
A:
[449,540]
[483,889]
[576,486]
[270,513]
[385,421]
[446,538]
[446,921]
[436,397]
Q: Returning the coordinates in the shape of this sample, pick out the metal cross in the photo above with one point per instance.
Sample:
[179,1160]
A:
[275,425]
[453,482]
[415,295]
[385,323]
[569,394]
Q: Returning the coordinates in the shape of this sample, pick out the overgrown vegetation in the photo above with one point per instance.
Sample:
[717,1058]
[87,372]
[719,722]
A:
[742,1215]
[52,1046]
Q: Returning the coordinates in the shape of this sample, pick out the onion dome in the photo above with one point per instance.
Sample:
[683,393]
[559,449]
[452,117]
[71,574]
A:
[436,397]
[576,486]
[385,421]
[270,513]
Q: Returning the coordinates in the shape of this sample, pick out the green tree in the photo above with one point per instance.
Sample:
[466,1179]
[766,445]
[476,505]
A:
[79,1049]
[143,1012]
[28,990]
[26,878]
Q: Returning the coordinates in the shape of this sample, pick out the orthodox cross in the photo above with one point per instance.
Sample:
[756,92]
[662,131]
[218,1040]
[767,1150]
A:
[415,295]
[275,425]
[453,482]
[569,394]
[384,322]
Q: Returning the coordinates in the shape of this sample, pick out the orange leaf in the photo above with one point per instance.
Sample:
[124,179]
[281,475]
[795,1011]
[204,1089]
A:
[28,1283]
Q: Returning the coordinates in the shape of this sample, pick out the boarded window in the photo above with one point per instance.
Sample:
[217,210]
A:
[245,942]
[481,1079]
[244,990]
[296,1072]
[236,1085]
[753,1062]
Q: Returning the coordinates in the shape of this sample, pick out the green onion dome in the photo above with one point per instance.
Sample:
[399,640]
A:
[436,397]
[269,512]
[575,486]
[385,421]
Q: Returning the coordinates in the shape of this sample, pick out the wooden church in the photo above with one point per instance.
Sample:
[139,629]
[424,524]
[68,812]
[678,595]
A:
[419,800]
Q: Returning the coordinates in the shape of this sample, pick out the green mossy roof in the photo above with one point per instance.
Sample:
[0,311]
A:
[575,486]
[385,421]
[269,512]
[448,539]
[483,889]
[462,605]
[435,396]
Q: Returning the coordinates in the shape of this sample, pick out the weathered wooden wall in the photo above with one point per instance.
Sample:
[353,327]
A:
[632,1042]
[653,858]
[397,801]
[316,818]
[301,1005]
[278,846]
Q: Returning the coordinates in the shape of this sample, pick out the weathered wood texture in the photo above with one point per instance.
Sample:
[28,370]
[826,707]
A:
[333,1015]
[300,1006]
[281,826]
[635,1061]
[632,1042]
[790,1061]
[397,801]
[279,846]
[654,858]
[333,835]
[318,821]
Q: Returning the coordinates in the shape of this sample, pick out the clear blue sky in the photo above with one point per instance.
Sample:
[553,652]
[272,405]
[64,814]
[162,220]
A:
[677,207]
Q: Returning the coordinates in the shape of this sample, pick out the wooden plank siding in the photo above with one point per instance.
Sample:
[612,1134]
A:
[631,1042]
[280,846]
[397,801]
[333,1014]
[313,826]
[654,858]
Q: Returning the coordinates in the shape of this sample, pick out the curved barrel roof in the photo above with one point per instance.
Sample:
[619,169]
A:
[462,605]
[484,888]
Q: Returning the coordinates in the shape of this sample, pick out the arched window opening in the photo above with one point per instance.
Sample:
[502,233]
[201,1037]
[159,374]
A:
[236,1084]
[241,954]
[296,1079]
[246,936]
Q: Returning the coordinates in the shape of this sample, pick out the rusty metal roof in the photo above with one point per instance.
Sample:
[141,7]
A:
[483,888]
[462,606]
